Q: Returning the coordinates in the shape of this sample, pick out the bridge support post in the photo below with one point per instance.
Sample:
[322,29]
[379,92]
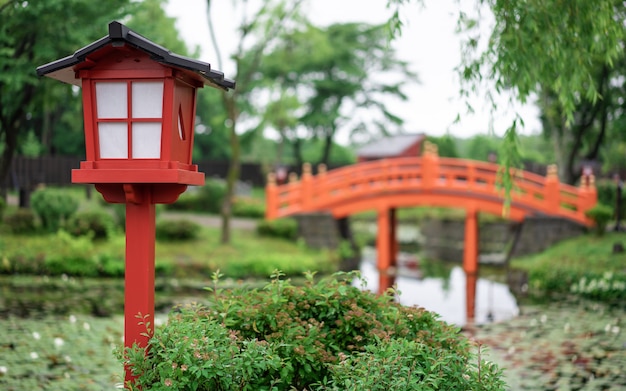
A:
[470,261]
[393,238]
[470,248]
[384,246]
[471,280]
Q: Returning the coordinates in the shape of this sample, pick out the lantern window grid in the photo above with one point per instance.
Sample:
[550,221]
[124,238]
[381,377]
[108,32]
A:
[129,118]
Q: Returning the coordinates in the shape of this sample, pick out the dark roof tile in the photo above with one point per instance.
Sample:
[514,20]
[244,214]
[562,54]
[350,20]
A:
[62,69]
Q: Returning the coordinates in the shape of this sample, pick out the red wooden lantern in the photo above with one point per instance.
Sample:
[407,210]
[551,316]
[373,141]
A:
[139,103]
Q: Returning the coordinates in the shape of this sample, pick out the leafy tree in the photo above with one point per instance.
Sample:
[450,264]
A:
[537,148]
[553,49]
[446,145]
[583,136]
[258,29]
[339,70]
[339,155]
[45,116]
[281,114]
[614,156]
[560,51]
[33,33]
[481,146]
[212,139]
[150,20]
[211,143]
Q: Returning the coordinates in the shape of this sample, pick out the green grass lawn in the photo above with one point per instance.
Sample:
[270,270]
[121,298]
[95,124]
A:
[588,252]
[248,255]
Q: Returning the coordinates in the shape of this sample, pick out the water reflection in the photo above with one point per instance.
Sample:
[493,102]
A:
[493,300]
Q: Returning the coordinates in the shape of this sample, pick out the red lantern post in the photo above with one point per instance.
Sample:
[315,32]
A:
[139,103]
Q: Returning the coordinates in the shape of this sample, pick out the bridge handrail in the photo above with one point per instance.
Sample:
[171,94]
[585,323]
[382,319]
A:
[429,173]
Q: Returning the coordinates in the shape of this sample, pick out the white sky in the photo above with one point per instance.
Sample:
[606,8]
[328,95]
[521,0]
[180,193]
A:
[428,43]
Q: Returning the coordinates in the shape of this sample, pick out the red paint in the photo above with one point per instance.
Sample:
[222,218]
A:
[470,247]
[383,247]
[139,273]
[471,280]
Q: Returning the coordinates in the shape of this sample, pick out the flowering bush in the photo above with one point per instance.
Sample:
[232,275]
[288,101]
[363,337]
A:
[608,288]
[326,335]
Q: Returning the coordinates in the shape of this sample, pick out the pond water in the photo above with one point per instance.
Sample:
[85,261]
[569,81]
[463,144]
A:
[494,301]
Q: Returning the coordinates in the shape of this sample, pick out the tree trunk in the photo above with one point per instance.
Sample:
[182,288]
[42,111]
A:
[10,127]
[297,152]
[328,145]
[233,169]
[7,155]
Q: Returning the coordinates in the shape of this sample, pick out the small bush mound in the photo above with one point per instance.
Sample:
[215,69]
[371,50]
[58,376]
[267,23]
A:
[248,207]
[22,221]
[177,230]
[601,215]
[285,228]
[97,222]
[54,207]
[326,335]
[206,199]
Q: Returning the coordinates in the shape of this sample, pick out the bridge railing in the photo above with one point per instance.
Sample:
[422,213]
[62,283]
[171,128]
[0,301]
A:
[427,174]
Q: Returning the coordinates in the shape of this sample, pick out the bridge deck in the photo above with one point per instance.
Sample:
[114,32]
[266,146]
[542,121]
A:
[428,180]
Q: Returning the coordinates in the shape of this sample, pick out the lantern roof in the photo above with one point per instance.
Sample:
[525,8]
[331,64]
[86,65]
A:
[119,35]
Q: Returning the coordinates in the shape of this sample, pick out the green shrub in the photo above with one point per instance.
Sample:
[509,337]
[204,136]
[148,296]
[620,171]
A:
[309,337]
[177,230]
[76,257]
[97,222]
[285,228]
[601,215]
[54,207]
[248,207]
[401,364]
[607,195]
[110,265]
[206,199]
[211,195]
[22,221]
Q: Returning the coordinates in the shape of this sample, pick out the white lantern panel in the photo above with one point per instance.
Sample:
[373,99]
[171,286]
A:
[146,140]
[113,140]
[147,99]
[112,100]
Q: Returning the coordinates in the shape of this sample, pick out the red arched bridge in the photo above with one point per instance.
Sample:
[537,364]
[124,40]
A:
[385,185]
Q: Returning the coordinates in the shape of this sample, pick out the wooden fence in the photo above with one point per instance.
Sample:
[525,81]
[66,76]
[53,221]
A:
[27,173]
